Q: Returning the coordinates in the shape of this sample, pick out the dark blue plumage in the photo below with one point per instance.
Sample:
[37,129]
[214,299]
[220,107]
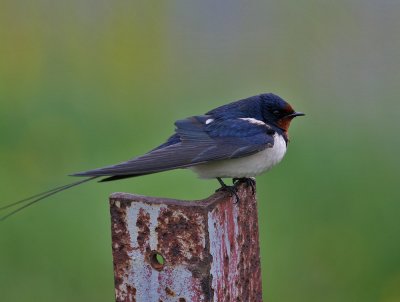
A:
[235,130]
[239,140]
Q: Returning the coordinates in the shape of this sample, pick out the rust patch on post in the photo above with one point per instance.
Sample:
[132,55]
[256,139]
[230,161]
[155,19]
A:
[249,262]
[121,248]
[171,250]
[169,292]
[142,224]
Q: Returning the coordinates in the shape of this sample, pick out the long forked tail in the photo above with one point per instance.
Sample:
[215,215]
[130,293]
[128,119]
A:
[37,197]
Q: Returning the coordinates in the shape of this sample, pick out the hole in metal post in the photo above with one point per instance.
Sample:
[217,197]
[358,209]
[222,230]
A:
[157,261]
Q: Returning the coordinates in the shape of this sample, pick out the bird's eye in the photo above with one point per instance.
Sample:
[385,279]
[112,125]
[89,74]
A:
[276,112]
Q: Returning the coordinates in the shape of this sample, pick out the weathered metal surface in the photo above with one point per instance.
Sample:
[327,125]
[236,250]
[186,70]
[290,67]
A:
[171,250]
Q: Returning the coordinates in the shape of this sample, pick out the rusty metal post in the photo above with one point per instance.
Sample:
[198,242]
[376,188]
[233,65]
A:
[172,250]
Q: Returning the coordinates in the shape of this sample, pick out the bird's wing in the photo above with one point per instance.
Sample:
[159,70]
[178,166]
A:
[199,142]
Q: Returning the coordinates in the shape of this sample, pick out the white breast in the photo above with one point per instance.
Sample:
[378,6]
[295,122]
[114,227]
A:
[248,166]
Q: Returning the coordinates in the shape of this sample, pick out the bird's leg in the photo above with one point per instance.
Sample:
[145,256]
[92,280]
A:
[230,189]
[249,181]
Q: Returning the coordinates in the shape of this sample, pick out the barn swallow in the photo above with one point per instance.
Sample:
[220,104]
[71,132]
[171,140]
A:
[239,140]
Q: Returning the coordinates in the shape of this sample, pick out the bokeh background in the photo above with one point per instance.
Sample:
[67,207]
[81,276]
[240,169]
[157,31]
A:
[89,83]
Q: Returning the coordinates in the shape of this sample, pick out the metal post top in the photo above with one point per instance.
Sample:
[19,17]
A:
[125,198]
[177,250]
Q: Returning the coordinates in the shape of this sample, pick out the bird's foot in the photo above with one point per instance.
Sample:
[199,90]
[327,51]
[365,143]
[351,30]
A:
[231,189]
[248,181]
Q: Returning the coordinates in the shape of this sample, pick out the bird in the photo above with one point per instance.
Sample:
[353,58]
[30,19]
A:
[239,140]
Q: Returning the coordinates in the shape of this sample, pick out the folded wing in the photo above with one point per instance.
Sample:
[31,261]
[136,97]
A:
[195,142]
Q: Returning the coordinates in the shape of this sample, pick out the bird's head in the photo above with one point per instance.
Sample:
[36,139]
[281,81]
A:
[276,111]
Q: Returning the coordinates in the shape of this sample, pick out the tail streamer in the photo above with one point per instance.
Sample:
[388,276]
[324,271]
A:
[38,197]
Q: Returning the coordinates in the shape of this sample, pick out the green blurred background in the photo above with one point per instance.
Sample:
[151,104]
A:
[89,83]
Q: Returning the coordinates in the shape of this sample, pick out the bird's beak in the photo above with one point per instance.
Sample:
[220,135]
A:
[294,114]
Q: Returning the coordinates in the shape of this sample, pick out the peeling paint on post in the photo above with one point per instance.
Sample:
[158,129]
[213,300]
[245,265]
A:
[171,250]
